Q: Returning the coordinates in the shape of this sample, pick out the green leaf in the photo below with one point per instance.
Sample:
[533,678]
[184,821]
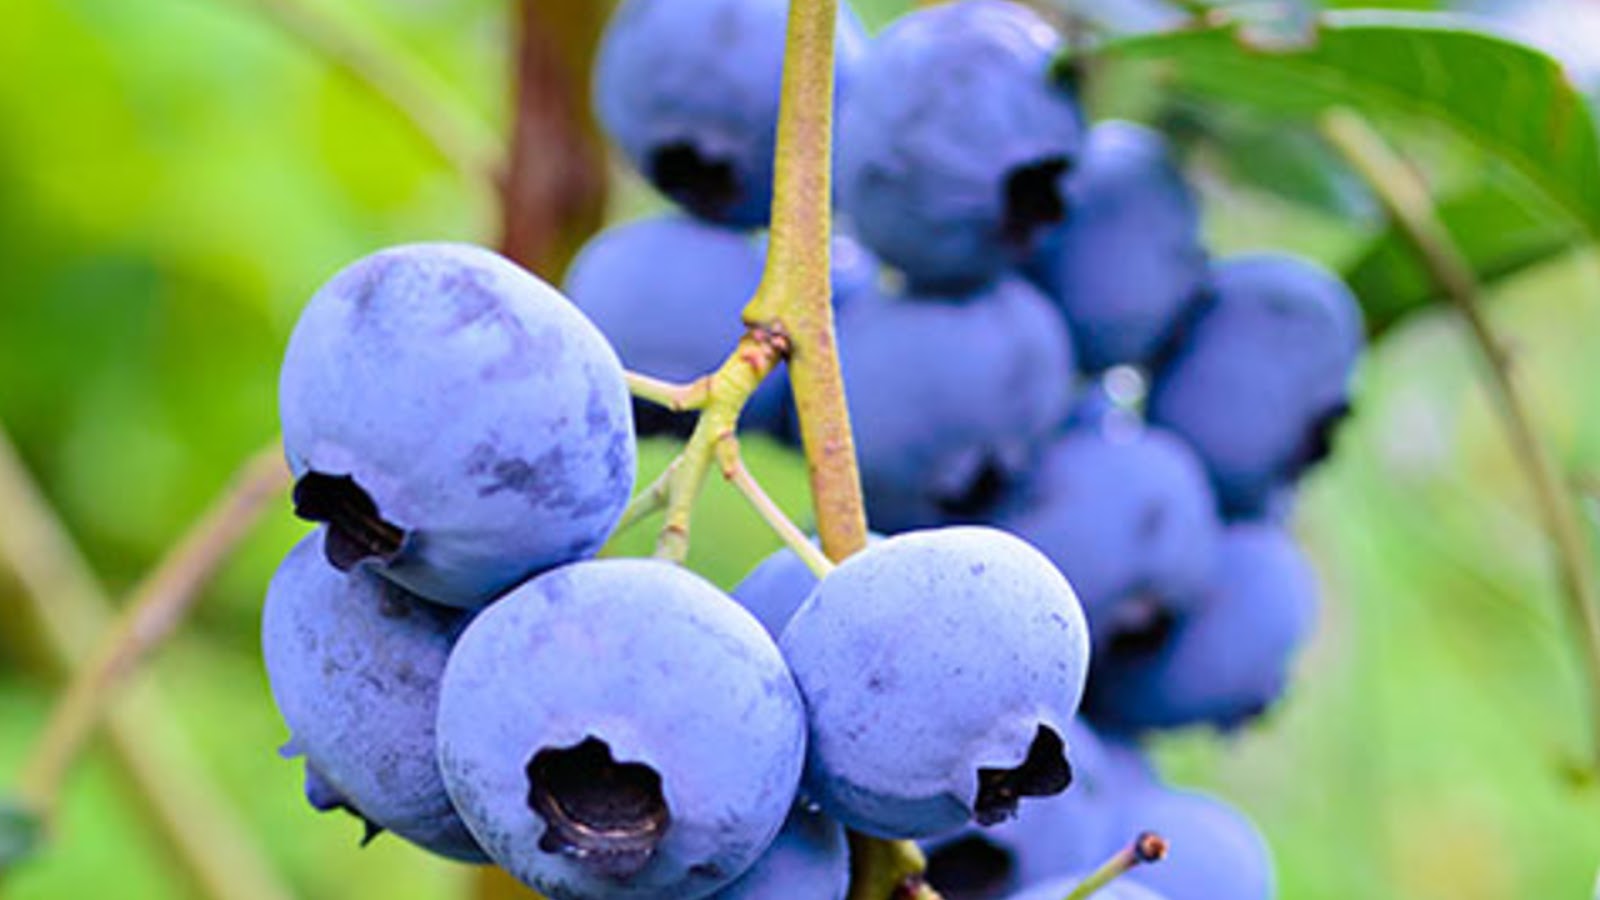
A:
[20,833]
[1498,232]
[1508,100]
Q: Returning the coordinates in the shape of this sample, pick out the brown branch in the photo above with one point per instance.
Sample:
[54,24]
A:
[553,195]
[213,849]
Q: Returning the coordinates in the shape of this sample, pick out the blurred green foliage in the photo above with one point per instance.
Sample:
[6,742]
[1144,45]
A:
[176,176]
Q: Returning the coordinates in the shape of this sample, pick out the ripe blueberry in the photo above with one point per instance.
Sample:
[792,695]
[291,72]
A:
[1127,263]
[689,90]
[1225,660]
[620,728]
[354,662]
[1262,377]
[941,670]
[953,141]
[455,420]
[952,399]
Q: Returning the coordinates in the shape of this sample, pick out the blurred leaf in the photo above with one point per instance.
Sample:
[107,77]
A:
[1508,100]
[1290,162]
[20,833]
[1498,232]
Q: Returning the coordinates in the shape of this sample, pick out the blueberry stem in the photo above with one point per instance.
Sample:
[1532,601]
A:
[1148,847]
[796,287]
[214,850]
[887,870]
[649,501]
[1405,197]
[420,98]
[740,476]
[676,397]
[795,299]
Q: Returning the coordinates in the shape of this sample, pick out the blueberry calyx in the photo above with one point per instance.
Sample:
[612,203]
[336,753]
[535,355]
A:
[1044,773]
[1318,444]
[355,529]
[970,868]
[707,185]
[610,815]
[1033,199]
[1143,628]
[982,492]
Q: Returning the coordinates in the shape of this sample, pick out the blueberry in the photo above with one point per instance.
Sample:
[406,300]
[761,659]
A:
[1127,263]
[1129,518]
[941,670]
[1049,837]
[809,860]
[953,141]
[689,90]
[951,400]
[1262,378]
[775,588]
[354,663]
[1224,661]
[620,728]
[1213,851]
[668,292]
[1121,889]
[456,421]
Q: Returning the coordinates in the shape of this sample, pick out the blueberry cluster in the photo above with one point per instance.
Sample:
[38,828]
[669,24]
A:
[1068,565]
[456,667]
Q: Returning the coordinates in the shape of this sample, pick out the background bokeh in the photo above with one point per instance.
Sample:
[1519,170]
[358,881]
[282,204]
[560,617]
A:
[176,177]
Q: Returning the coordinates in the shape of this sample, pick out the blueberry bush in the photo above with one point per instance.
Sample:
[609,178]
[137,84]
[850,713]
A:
[799,449]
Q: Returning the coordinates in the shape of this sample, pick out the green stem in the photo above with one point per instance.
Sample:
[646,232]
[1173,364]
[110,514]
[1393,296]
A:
[1405,197]
[418,96]
[676,397]
[156,608]
[727,390]
[213,849]
[1148,847]
[795,292]
[887,870]
[740,476]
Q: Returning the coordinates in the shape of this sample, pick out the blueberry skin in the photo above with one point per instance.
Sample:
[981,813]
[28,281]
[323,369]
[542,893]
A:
[1128,516]
[354,664]
[1225,661]
[473,404]
[1121,889]
[952,400]
[1050,837]
[668,293]
[809,860]
[953,139]
[1263,375]
[1214,852]
[928,657]
[689,90]
[667,672]
[1127,263]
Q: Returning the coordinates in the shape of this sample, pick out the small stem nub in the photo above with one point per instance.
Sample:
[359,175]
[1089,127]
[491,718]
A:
[1148,847]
